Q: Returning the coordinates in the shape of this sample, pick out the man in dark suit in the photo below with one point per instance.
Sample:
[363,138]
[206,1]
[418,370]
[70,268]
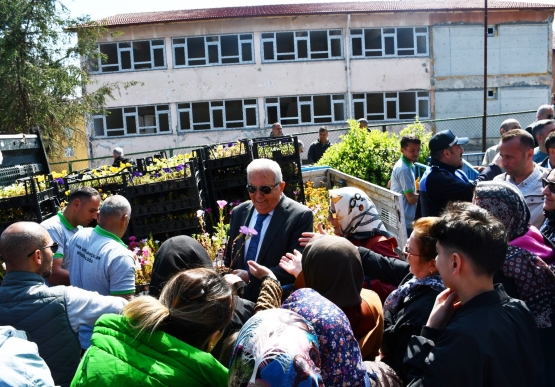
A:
[279,223]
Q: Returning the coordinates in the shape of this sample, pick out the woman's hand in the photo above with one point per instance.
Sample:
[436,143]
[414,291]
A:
[307,236]
[260,271]
[447,303]
[291,263]
[232,278]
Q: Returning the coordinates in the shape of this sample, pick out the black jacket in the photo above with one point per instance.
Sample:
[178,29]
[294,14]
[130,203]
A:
[316,151]
[492,341]
[412,314]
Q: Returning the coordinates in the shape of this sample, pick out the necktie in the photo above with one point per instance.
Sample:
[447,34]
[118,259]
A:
[255,239]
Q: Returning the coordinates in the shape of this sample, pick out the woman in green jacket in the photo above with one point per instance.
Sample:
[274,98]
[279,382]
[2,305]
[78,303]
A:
[165,342]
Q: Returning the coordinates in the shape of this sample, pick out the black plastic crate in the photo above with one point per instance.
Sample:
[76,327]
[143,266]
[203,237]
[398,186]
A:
[114,184]
[164,207]
[209,157]
[180,225]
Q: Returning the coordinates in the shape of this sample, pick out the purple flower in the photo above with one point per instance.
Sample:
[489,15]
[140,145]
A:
[132,238]
[295,192]
[208,210]
[252,231]
[156,174]
[221,203]
[229,145]
[145,251]
[167,170]
[59,180]
[244,230]
[179,167]
[136,250]
[137,174]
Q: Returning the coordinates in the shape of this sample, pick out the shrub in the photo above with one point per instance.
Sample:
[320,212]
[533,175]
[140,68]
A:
[371,155]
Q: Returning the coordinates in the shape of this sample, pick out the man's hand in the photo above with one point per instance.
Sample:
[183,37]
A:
[479,168]
[291,263]
[307,236]
[260,271]
[447,303]
[243,274]
[231,279]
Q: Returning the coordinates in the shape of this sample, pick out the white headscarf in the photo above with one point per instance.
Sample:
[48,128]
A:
[356,212]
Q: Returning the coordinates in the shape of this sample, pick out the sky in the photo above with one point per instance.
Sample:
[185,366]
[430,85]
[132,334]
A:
[98,9]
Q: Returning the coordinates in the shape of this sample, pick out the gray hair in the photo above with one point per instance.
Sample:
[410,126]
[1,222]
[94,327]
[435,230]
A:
[265,165]
[115,206]
[543,108]
[539,127]
[118,151]
[505,124]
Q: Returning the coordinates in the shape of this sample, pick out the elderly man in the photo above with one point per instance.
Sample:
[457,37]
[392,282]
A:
[51,316]
[540,131]
[319,147]
[362,123]
[473,319]
[81,210]
[99,260]
[545,112]
[277,130]
[444,181]
[506,125]
[516,152]
[279,223]
[118,158]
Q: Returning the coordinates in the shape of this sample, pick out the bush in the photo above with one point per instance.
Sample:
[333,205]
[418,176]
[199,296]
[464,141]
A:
[371,155]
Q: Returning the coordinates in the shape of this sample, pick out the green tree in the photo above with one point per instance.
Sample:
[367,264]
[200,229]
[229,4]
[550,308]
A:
[42,80]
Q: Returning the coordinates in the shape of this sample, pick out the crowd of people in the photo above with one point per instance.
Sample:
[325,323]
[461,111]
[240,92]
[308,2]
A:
[468,301]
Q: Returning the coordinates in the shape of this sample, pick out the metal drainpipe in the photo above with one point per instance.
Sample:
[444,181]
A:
[348,65]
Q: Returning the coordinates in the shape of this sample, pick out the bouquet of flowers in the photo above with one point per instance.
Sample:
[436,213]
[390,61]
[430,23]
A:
[144,252]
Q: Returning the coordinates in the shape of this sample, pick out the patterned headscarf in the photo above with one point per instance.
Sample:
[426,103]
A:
[276,348]
[506,203]
[394,300]
[342,363]
[356,212]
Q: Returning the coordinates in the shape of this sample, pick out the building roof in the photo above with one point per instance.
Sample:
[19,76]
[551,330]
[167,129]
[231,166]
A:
[314,9]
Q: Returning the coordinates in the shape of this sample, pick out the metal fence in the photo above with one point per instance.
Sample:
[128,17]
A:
[463,127]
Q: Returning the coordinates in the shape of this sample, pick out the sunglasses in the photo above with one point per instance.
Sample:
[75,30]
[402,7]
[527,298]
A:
[550,184]
[53,247]
[265,189]
[549,116]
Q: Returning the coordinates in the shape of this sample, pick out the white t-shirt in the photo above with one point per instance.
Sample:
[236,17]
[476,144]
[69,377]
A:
[61,231]
[101,262]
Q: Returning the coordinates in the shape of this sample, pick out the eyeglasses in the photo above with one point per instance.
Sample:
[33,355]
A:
[406,252]
[550,184]
[265,189]
[549,116]
[53,247]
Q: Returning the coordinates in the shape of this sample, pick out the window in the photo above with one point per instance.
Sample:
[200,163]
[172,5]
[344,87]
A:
[212,50]
[133,121]
[311,109]
[301,45]
[492,31]
[69,152]
[389,42]
[404,105]
[130,56]
[492,94]
[217,115]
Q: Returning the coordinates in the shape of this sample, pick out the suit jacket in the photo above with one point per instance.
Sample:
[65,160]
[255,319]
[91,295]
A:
[289,221]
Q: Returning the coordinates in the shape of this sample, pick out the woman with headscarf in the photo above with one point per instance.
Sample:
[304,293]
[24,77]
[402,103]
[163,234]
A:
[276,348]
[355,217]
[332,266]
[548,227]
[184,253]
[406,309]
[532,279]
[165,342]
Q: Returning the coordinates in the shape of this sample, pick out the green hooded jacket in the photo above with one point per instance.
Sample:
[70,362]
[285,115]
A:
[117,357]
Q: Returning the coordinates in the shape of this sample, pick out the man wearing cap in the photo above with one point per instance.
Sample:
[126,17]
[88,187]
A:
[444,181]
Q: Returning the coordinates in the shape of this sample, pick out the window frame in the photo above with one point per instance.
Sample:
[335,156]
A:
[383,44]
[283,120]
[147,128]
[296,40]
[370,116]
[218,44]
[217,105]
[119,51]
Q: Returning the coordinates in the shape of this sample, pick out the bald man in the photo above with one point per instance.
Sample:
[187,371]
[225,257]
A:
[51,316]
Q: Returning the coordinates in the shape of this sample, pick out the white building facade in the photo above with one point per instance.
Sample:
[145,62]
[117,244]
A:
[216,75]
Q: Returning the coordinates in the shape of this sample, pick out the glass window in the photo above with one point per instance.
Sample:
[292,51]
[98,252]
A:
[389,42]
[129,56]
[217,115]
[313,109]
[302,45]
[404,105]
[133,121]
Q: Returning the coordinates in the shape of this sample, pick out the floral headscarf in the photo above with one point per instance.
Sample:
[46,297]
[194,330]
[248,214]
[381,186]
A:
[506,203]
[342,363]
[356,212]
[276,348]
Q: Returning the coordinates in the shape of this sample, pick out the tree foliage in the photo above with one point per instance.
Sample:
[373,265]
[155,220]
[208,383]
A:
[42,82]
[370,155]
